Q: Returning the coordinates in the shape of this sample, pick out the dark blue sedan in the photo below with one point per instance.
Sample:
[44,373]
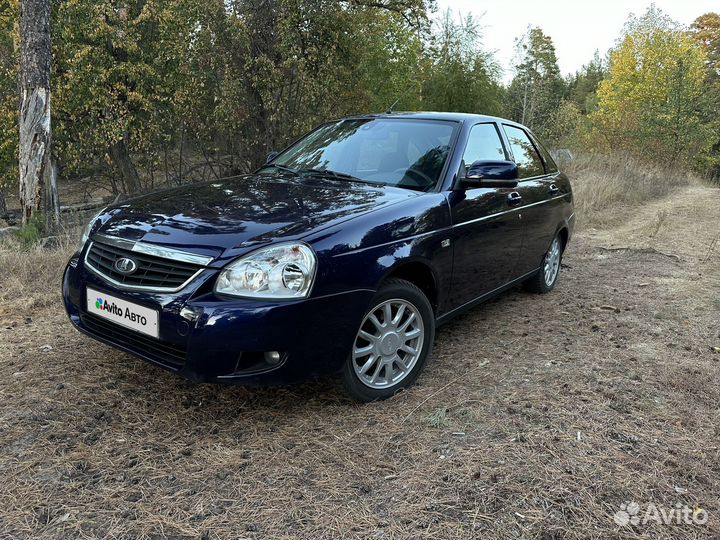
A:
[340,256]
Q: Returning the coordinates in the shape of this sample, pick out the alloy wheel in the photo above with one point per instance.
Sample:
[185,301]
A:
[551,265]
[388,344]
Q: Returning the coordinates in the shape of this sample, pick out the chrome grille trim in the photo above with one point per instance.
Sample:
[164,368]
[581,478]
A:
[161,252]
[168,254]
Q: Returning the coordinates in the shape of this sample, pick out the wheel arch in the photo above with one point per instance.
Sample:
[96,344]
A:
[564,234]
[418,272]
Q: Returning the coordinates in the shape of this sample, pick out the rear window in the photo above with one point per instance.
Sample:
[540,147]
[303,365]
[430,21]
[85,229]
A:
[526,156]
[550,165]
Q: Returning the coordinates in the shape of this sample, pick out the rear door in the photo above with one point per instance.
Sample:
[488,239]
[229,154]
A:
[487,233]
[539,195]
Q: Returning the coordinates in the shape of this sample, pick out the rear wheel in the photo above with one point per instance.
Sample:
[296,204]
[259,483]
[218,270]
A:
[392,344]
[546,279]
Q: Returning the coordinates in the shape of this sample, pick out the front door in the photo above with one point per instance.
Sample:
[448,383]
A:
[487,230]
[541,197]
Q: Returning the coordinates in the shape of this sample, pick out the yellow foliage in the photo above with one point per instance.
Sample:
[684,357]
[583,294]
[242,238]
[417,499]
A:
[649,102]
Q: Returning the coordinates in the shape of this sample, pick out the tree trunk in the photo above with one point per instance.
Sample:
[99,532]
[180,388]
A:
[3,206]
[35,57]
[121,158]
[52,201]
[524,105]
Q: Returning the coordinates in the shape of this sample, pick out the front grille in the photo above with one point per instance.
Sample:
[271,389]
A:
[163,352]
[152,272]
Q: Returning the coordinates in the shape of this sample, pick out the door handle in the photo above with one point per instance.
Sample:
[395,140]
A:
[554,189]
[514,198]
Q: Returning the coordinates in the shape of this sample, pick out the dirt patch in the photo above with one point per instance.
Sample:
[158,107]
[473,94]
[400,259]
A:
[537,417]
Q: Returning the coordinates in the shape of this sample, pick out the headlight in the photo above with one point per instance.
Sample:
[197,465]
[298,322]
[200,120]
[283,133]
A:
[283,271]
[89,226]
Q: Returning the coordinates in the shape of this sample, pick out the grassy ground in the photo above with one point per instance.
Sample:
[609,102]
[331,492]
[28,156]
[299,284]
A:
[608,186]
[537,417]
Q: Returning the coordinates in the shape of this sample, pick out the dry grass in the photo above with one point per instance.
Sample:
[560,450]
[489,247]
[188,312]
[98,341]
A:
[32,275]
[605,186]
[536,418]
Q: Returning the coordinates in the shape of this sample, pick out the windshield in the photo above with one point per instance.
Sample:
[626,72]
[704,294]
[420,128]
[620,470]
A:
[399,152]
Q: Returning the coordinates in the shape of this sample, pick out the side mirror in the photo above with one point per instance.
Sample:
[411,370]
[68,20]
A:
[272,155]
[490,174]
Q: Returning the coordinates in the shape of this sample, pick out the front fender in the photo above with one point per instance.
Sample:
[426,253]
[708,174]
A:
[362,252]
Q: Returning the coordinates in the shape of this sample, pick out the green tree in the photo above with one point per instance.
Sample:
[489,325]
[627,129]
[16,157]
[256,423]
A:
[582,87]
[388,64]
[536,88]
[175,90]
[461,76]
[562,124]
[162,84]
[299,62]
[651,101]
[706,31]
[115,80]
[9,101]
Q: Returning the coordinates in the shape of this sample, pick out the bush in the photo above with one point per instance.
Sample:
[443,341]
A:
[31,233]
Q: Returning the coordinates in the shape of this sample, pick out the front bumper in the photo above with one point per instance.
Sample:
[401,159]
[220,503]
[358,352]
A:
[205,338]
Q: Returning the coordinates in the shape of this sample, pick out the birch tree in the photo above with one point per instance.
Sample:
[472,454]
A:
[35,57]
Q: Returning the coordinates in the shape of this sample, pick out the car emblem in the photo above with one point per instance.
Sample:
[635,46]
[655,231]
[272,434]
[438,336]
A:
[125,266]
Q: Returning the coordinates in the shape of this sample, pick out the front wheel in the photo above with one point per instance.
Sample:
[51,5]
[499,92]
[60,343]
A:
[546,279]
[392,344]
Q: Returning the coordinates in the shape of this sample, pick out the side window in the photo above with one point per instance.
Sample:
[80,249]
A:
[526,156]
[483,144]
[550,165]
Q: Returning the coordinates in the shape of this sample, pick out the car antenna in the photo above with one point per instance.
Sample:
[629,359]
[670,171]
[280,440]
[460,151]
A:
[390,110]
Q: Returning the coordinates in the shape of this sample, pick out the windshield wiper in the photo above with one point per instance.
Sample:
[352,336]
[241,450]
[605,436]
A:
[322,173]
[327,173]
[283,168]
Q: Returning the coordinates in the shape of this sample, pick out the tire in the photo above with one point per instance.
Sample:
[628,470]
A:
[382,348]
[547,277]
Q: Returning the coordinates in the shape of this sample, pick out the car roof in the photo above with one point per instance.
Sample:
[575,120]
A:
[431,115]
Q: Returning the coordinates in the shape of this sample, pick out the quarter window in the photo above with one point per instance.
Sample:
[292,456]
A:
[526,156]
[483,144]
[549,161]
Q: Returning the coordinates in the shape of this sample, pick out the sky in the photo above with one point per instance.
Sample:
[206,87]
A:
[577,27]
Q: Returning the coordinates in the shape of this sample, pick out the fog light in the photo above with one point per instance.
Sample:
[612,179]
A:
[190,314]
[272,357]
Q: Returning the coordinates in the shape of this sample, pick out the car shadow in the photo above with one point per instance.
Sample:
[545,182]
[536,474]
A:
[141,385]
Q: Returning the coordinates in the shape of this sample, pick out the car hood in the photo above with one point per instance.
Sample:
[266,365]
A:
[231,214]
